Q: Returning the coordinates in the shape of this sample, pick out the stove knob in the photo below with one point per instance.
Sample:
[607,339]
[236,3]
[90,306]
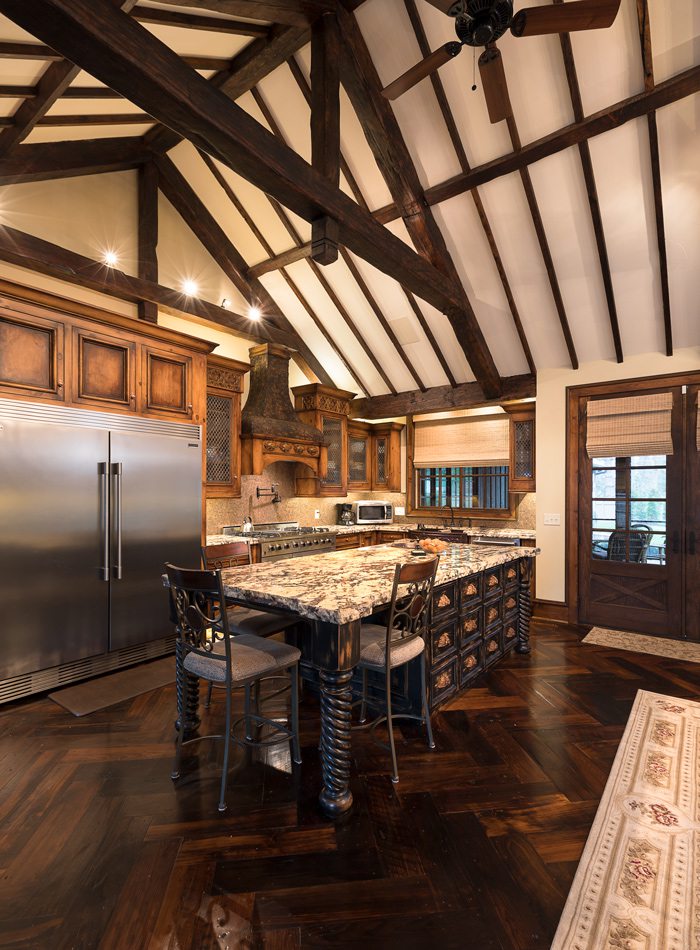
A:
[286,545]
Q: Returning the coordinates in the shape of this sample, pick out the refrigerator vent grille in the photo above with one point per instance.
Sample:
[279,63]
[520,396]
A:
[64,415]
[17,687]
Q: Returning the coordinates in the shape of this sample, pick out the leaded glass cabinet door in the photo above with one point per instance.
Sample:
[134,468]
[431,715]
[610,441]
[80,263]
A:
[359,459]
[334,430]
[522,451]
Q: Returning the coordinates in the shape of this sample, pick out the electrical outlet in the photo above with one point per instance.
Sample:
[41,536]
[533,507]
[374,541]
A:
[317,513]
[399,510]
[552,519]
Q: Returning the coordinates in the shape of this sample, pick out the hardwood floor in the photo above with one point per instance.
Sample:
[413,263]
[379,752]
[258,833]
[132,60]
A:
[476,846]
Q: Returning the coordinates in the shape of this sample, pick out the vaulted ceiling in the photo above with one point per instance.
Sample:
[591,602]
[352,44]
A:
[467,250]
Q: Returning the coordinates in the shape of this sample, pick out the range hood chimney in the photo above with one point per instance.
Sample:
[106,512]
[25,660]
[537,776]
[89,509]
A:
[270,428]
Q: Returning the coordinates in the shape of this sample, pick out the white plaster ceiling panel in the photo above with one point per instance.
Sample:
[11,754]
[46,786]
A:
[679,147]
[207,188]
[321,304]
[609,62]
[472,257]
[354,146]
[417,111]
[481,140]
[395,306]
[80,107]
[511,223]
[10,32]
[563,202]
[289,109]
[675,36]
[312,336]
[87,215]
[447,341]
[623,175]
[195,11]
[85,79]
[534,68]
[186,42]
[21,72]
[181,257]
[8,107]
[52,133]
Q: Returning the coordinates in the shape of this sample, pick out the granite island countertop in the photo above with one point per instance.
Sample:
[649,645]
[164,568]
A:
[341,586]
[526,534]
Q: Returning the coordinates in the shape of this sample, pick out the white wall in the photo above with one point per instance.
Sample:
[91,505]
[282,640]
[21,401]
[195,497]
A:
[551,448]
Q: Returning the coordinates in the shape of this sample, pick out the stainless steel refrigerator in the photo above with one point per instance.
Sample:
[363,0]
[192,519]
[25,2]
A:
[91,506]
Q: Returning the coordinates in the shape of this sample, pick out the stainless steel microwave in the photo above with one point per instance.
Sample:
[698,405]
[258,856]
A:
[372,512]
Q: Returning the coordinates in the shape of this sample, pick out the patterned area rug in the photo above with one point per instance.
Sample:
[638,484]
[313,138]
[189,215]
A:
[639,643]
[637,886]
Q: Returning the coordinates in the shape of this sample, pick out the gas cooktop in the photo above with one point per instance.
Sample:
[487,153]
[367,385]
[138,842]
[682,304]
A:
[276,530]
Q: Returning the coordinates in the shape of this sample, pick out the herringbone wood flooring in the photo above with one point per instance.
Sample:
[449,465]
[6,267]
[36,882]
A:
[475,848]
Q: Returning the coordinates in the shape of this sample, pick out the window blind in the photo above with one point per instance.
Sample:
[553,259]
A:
[483,440]
[630,425]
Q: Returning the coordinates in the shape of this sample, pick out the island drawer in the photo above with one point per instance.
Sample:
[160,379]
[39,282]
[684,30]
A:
[493,582]
[510,602]
[471,625]
[444,600]
[493,613]
[511,575]
[471,591]
[471,662]
[443,682]
[510,632]
[443,641]
[493,645]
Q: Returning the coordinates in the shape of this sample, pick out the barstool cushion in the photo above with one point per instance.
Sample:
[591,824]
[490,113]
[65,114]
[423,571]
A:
[261,623]
[246,662]
[283,654]
[373,647]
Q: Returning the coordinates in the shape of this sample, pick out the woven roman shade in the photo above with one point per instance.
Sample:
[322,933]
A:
[631,425]
[461,441]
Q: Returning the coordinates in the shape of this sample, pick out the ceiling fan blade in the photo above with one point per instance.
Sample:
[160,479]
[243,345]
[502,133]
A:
[422,69]
[493,79]
[565,17]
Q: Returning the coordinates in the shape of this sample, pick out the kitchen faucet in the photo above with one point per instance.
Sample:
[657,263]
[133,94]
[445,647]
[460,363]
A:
[452,514]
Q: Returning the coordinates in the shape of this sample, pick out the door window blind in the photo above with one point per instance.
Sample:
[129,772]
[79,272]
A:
[630,425]
[461,442]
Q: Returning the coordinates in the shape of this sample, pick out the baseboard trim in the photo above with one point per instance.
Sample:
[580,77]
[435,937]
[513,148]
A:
[554,611]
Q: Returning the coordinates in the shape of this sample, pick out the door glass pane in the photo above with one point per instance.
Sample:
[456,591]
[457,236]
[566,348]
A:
[628,506]
[332,434]
[604,483]
[357,462]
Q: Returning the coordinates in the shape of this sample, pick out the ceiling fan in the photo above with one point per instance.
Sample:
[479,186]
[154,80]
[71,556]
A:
[482,22]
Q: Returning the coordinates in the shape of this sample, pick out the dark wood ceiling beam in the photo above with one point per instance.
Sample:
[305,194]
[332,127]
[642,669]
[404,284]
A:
[350,264]
[538,225]
[592,192]
[191,21]
[456,140]
[671,90]
[360,199]
[17,92]
[384,137]
[438,398]
[325,126]
[649,85]
[207,230]
[10,50]
[290,12]
[260,237]
[148,235]
[54,81]
[41,256]
[278,261]
[243,72]
[124,55]
[91,92]
[64,121]
[47,161]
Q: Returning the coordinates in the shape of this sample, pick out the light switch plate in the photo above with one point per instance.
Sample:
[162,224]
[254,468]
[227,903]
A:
[552,519]
[399,510]
[317,513]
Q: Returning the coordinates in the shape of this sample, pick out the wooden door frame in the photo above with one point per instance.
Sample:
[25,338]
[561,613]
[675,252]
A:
[576,397]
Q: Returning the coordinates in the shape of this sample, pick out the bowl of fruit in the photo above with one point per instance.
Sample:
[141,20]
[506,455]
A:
[433,545]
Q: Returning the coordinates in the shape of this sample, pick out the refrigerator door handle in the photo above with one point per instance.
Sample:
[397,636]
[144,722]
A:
[104,521]
[116,469]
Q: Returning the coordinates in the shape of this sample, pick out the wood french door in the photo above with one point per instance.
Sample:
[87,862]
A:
[638,559]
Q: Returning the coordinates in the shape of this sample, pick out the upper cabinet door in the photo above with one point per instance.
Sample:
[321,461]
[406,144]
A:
[522,450]
[104,370]
[32,356]
[359,459]
[167,380]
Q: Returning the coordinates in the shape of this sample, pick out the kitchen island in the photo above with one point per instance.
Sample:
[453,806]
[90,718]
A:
[480,609]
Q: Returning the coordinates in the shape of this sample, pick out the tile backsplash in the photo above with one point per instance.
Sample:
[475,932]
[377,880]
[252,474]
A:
[224,511]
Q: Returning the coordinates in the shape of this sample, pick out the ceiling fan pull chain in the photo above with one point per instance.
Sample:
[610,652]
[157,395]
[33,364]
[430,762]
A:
[474,69]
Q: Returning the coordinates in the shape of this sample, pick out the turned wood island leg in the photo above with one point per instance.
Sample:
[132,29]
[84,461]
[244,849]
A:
[525,606]
[336,652]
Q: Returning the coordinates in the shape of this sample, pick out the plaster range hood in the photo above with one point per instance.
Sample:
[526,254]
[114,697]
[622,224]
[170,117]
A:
[271,431]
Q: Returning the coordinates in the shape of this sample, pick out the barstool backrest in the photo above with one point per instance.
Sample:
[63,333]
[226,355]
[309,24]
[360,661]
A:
[196,599]
[218,556]
[410,600]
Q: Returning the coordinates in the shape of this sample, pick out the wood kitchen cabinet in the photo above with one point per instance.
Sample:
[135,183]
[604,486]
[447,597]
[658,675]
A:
[359,457]
[60,350]
[223,444]
[326,409]
[522,449]
[386,456]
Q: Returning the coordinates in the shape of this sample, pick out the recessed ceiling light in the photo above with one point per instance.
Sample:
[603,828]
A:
[190,288]
[110,258]
[254,313]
